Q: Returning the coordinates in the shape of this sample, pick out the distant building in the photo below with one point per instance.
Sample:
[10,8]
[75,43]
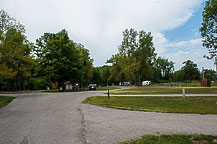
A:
[68,85]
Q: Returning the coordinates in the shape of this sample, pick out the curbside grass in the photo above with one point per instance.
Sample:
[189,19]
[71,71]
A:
[174,139]
[166,90]
[4,100]
[196,105]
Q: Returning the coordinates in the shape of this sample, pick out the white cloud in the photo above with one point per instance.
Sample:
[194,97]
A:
[179,44]
[186,43]
[98,24]
[185,50]
[160,42]
[195,41]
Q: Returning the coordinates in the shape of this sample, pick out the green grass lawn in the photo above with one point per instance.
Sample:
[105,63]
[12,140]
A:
[193,84]
[107,88]
[19,92]
[167,90]
[197,105]
[5,100]
[15,92]
[183,84]
[174,139]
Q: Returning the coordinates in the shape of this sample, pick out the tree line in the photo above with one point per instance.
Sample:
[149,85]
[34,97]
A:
[136,61]
[55,58]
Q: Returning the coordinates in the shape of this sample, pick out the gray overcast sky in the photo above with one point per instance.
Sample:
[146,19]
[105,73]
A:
[98,24]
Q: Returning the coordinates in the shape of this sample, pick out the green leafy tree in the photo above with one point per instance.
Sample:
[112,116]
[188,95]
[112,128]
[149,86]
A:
[86,71]
[145,56]
[115,70]
[96,79]
[163,69]
[210,74]
[178,76]
[115,74]
[209,28]
[105,73]
[60,59]
[190,71]
[15,53]
[7,22]
[101,75]
[134,61]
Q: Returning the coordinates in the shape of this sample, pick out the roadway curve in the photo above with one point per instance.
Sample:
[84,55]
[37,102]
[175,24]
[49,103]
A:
[39,118]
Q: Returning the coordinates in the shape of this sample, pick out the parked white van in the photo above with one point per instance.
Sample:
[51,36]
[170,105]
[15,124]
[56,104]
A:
[146,83]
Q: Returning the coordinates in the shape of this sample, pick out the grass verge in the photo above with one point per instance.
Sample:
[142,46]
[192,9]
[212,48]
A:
[166,90]
[107,88]
[15,92]
[174,139]
[5,100]
[197,105]
[18,92]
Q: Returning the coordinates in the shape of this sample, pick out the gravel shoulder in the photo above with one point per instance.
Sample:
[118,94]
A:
[112,126]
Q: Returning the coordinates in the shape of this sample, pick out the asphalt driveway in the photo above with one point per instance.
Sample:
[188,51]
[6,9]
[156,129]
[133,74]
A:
[60,118]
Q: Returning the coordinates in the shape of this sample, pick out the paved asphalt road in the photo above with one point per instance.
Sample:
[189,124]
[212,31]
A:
[59,118]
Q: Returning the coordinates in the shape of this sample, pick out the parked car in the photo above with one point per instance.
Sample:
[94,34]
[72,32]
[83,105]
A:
[124,83]
[146,83]
[92,86]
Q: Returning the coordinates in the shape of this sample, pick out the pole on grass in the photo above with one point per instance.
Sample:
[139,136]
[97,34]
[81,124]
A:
[183,92]
[108,94]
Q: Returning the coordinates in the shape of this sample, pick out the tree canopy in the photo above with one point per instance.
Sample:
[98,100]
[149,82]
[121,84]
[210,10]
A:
[190,71]
[55,58]
[209,28]
[210,74]
[61,60]
[163,68]
[15,53]
[135,58]
[7,22]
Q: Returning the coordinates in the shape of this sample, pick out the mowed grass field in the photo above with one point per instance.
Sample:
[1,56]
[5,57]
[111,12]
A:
[196,105]
[166,90]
